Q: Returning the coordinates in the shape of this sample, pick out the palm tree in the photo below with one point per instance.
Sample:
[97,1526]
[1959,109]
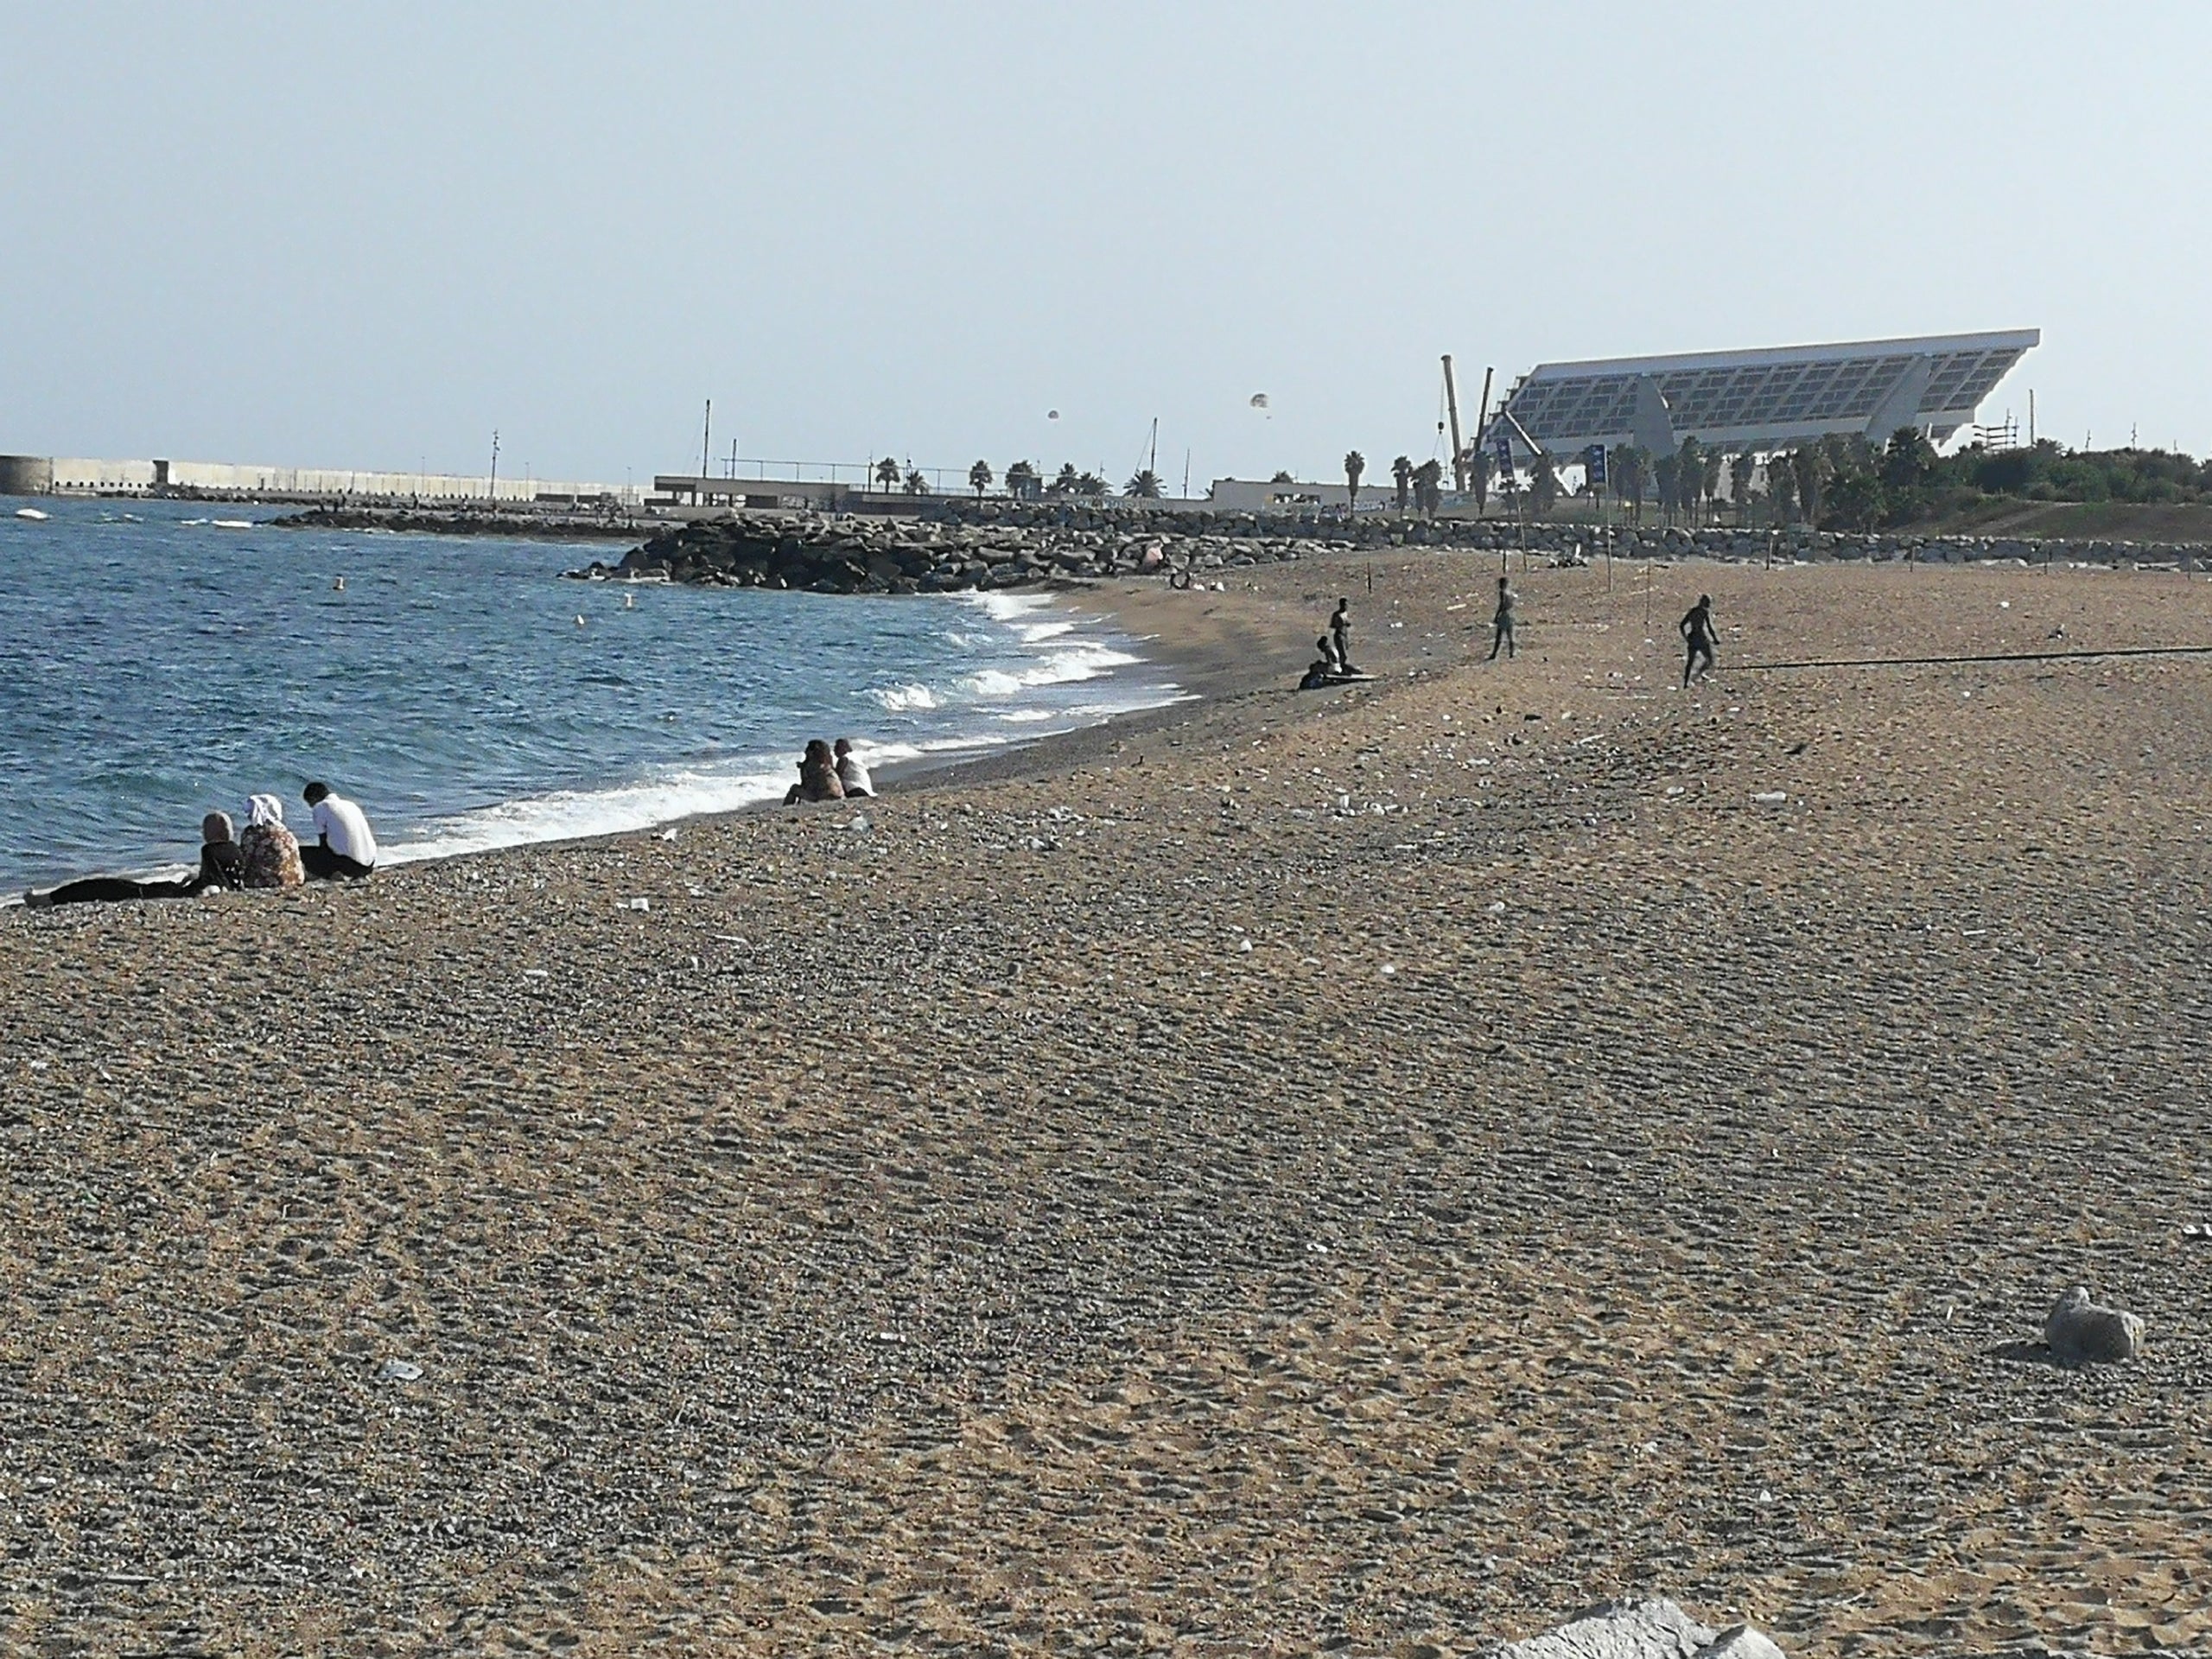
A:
[1630,473]
[1544,483]
[1810,464]
[1428,485]
[979,478]
[886,473]
[1022,481]
[1067,481]
[1091,483]
[916,483]
[1740,470]
[1667,471]
[1402,470]
[1780,487]
[1146,484]
[1477,463]
[1355,465]
[1689,476]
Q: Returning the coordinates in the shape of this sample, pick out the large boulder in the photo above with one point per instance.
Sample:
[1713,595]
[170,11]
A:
[2081,1332]
[1653,1629]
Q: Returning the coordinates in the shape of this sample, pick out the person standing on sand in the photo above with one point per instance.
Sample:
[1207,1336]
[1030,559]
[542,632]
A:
[1340,633]
[1503,622]
[1696,630]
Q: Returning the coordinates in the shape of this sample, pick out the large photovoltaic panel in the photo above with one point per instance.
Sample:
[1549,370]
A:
[1762,400]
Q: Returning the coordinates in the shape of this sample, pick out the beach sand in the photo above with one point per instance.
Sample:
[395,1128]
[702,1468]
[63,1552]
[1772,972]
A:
[1365,1171]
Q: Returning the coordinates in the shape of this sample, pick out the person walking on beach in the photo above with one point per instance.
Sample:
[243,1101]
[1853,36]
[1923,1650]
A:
[344,847]
[1503,622]
[1696,630]
[1340,632]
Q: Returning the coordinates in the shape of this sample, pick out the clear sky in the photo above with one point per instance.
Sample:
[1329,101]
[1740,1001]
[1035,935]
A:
[367,235]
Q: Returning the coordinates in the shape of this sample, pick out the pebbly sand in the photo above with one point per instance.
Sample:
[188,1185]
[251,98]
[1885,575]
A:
[1365,1171]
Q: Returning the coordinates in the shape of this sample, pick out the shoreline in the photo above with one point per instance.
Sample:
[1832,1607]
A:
[952,763]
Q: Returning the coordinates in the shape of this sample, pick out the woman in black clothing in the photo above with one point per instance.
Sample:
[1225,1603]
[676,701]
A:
[221,865]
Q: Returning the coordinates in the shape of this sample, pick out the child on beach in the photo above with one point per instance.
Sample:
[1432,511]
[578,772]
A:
[1503,622]
[1696,629]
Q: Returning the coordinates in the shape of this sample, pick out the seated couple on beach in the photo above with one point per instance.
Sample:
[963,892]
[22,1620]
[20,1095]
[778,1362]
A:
[827,774]
[266,854]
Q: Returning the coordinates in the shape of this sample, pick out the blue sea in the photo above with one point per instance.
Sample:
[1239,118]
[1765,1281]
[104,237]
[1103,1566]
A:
[160,659]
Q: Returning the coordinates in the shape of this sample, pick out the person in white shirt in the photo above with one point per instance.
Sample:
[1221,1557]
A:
[850,773]
[346,846]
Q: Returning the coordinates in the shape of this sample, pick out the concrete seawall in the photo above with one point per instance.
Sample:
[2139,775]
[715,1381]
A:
[225,480]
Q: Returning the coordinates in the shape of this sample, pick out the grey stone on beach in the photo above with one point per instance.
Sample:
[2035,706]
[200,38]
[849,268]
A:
[1653,1629]
[2082,1333]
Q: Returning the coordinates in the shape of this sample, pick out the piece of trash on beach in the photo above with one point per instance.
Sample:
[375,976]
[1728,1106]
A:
[1497,906]
[668,834]
[1770,797]
[1673,788]
[639,904]
[400,1371]
[859,822]
[536,973]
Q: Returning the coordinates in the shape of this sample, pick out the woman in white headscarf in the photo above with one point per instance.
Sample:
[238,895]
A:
[272,852]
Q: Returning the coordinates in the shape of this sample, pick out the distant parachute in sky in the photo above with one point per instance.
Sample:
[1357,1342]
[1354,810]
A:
[1051,414]
[1259,400]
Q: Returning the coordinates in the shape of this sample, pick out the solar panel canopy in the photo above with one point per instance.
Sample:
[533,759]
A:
[1762,400]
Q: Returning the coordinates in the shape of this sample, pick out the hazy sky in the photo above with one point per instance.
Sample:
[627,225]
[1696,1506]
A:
[365,236]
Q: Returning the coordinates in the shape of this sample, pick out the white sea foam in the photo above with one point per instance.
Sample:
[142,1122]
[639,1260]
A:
[567,815]
[1060,668]
[896,697]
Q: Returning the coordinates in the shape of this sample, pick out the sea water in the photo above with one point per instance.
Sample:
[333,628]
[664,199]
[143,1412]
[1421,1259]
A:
[156,664]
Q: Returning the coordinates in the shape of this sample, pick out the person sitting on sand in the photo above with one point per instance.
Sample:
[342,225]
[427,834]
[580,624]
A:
[344,847]
[270,851]
[1696,628]
[851,774]
[1318,676]
[1330,661]
[817,776]
[222,864]
[1504,623]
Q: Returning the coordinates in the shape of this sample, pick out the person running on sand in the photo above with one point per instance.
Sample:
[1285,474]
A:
[222,864]
[817,776]
[1340,634]
[851,773]
[1503,622]
[271,852]
[345,846]
[1696,629]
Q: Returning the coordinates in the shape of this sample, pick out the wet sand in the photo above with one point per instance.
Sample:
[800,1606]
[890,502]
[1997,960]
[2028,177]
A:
[1368,1171]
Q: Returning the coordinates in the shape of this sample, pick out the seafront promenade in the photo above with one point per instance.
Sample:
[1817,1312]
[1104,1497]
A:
[1370,1170]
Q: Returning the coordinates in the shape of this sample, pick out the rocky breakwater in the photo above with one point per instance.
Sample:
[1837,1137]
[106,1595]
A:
[853,555]
[550,524]
[1003,544]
